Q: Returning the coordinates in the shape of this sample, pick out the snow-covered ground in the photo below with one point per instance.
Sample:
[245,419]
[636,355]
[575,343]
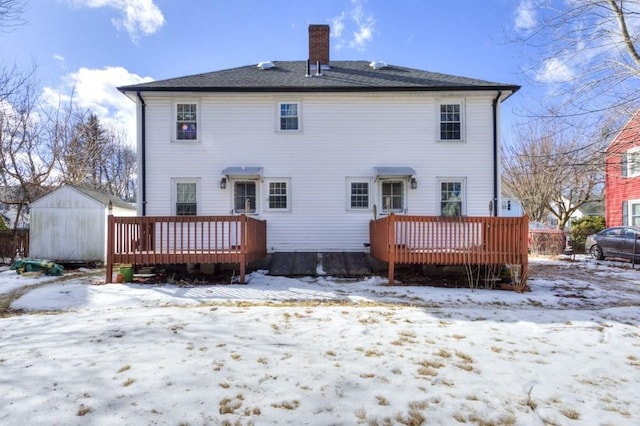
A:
[320,351]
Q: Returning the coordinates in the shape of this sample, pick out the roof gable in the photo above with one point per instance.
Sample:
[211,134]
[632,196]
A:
[340,76]
[628,137]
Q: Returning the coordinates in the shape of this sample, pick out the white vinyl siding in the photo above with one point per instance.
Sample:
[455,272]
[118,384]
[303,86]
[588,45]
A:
[345,135]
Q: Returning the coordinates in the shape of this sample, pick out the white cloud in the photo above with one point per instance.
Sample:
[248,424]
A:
[525,16]
[139,17]
[359,24]
[95,89]
[554,71]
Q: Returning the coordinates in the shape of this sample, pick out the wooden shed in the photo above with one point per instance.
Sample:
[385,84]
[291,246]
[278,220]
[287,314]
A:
[69,224]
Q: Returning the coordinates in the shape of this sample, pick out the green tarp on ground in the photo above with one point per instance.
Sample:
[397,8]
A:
[36,265]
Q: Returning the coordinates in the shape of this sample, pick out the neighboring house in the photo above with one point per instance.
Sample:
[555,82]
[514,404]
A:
[510,207]
[622,176]
[69,224]
[318,148]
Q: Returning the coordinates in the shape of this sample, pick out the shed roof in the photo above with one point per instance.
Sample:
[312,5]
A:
[96,195]
[341,76]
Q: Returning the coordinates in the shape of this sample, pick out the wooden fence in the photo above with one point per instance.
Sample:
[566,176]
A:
[14,243]
[154,240]
[437,240]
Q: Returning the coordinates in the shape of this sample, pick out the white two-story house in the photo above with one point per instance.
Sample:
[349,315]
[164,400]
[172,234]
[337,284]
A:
[317,147]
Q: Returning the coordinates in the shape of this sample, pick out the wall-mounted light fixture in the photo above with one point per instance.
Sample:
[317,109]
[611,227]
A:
[223,183]
[413,182]
[110,207]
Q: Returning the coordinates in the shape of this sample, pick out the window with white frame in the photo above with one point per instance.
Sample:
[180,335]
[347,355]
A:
[185,196]
[244,196]
[289,116]
[631,168]
[359,194]
[278,197]
[186,121]
[450,121]
[452,197]
[392,196]
[634,209]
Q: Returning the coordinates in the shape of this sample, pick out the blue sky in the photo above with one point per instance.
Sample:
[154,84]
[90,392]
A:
[96,45]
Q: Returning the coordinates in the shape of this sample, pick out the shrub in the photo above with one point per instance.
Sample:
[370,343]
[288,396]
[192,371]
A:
[583,227]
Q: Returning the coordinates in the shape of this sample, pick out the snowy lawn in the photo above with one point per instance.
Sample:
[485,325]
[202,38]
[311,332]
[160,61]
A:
[318,351]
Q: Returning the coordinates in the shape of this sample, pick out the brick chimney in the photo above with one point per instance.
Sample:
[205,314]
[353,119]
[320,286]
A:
[319,44]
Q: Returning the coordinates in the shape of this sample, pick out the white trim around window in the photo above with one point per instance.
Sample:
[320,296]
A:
[392,195]
[633,207]
[186,121]
[632,162]
[278,194]
[245,191]
[452,196]
[359,194]
[185,196]
[289,117]
[450,120]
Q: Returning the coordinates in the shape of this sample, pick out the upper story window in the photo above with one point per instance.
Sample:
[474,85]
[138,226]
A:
[186,197]
[289,116]
[244,197]
[450,121]
[359,194]
[279,195]
[186,121]
[452,197]
[631,163]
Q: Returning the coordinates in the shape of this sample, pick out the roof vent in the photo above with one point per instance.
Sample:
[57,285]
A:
[376,65]
[266,65]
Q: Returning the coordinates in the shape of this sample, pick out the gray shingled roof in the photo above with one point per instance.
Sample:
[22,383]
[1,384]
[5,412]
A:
[342,76]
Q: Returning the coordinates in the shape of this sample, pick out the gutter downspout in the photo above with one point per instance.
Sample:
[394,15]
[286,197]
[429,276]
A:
[143,161]
[495,153]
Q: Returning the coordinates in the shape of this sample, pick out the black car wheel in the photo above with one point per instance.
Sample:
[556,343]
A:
[596,252]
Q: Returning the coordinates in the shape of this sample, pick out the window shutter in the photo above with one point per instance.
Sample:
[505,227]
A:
[625,213]
[623,164]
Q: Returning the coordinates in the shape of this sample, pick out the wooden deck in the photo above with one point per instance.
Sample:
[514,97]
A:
[154,240]
[435,240]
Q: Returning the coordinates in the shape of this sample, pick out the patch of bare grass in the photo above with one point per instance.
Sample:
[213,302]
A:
[124,368]
[287,405]
[83,410]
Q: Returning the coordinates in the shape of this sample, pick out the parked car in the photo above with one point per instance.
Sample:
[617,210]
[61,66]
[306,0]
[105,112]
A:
[619,241]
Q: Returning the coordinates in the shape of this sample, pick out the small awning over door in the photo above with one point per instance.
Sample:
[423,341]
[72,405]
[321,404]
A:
[391,172]
[243,172]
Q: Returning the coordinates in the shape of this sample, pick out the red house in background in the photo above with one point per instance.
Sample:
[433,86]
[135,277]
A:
[622,176]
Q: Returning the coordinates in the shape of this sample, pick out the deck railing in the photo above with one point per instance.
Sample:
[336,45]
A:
[437,240]
[152,240]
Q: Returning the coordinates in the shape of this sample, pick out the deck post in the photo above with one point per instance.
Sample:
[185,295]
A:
[391,232]
[243,246]
[110,248]
[524,269]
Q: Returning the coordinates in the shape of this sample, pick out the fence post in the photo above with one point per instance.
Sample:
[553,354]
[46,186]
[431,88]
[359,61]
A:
[524,272]
[391,243]
[110,248]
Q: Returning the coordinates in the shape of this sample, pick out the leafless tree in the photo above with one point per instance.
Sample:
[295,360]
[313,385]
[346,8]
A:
[96,157]
[583,55]
[552,171]
[11,14]
[28,152]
